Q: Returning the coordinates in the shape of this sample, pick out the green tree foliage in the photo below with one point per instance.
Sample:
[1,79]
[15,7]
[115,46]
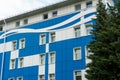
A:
[105,62]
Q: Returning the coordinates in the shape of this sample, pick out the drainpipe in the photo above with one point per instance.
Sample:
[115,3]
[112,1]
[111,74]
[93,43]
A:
[1,76]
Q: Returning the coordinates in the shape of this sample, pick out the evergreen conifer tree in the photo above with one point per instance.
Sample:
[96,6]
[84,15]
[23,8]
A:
[105,60]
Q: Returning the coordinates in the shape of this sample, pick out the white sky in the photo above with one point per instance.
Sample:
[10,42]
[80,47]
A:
[13,7]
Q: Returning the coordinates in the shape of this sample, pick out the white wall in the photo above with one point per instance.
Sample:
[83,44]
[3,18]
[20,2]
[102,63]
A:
[39,17]
[31,60]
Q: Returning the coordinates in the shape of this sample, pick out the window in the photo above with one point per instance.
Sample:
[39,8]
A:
[42,39]
[42,77]
[89,28]
[14,45]
[77,75]
[20,63]
[1,28]
[52,57]
[20,78]
[77,31]
[12,64]
[17,23]
[88,51]
[54,13]
[25,21]
[77,54]
[51,76]
[42,59]
[11,79]
[45,16]
[22,43]
[52,36]
[77,7]
[89,4]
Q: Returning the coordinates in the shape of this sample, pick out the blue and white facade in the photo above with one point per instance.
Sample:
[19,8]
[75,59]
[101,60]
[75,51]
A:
[50,49]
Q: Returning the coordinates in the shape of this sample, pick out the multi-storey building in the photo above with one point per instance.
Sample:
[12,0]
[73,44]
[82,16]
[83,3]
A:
[48,43]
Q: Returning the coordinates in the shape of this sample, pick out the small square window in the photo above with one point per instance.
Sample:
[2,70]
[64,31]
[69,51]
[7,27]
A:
[42,39]
[77,54]
[14,45]
[52,36]
[77,75]
[12,64]
[45,16]
[1,28]
[77,7]
[54,13]
[42,77]
[42,59]
[22,43]
[25,21]
[89,4]
[17,23]
[21,62]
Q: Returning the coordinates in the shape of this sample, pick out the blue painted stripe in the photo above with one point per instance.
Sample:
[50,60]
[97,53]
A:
[51,22]
[90,14]
[69,24]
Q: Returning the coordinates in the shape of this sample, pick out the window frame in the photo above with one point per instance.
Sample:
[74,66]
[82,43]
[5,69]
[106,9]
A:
[41,39]
[19,62]
[19,77]
[45,16]
[87,51]
[13,45]
[52,74]
[52,37]
[20,43]
[25,21]
[40,77]
[40,59]
[89,28]
[11,63]
[77,31]
[17,23]
[52,57]
[1,28]
[54,13]
[74,53]
[76,7]
[89,4]
[77,75]
[11,78]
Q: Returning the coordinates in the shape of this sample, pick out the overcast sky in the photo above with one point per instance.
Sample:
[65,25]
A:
[13,7]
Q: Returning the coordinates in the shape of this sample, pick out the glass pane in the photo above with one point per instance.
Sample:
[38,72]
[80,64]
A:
[26,21]
[78,78]
[52,37]
[77,32]
[54,13]
[89,4]
[43,39]
[17,24]
[77,7]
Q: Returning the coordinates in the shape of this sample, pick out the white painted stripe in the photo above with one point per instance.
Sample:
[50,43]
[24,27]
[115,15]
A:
[42,70]
[14,54]
[51,68]
[27,30]
[31,60]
